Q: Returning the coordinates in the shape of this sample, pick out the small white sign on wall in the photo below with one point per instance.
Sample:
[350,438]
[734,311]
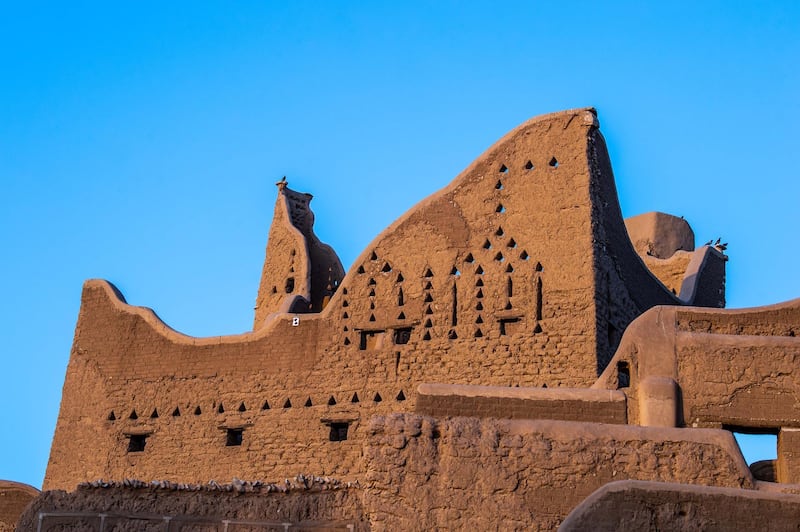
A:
[295,321]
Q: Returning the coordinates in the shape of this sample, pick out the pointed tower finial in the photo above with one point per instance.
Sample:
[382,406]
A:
[282,183]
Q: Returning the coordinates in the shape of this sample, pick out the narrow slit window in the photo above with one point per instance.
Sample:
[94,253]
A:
[623,375]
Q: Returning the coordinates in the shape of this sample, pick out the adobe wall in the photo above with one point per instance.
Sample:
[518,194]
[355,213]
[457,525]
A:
[518,273]
[469,473]
[297,264]
[195,508]
[732,367]
[653,506]
[501,402]
[14,497]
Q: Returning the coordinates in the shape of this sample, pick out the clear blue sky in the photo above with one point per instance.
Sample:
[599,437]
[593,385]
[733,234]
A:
[140,143]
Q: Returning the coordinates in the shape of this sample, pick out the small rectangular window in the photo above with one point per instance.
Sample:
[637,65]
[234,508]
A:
[402,336]
[234,437]
[136,443]
[339,431]
[371,340]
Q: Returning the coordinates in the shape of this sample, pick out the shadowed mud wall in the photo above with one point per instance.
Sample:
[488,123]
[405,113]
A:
[134,510]
[652,506]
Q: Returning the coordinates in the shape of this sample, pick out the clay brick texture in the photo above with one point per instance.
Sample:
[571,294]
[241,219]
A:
[490,360]
[519,273]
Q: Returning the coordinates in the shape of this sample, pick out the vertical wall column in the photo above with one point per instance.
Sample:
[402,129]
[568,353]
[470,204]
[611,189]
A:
[658,402]
[789,456]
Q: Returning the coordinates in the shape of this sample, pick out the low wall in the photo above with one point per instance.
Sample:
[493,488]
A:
[180,507]
[487,474]
[567,404]
[653,506]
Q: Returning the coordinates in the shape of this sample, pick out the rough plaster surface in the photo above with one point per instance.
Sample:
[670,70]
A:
[598,406]
[517,273]
[134,510]
[734,367]
[473,474]
[652,506]
[14,497]
[517,276]
[659,235]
